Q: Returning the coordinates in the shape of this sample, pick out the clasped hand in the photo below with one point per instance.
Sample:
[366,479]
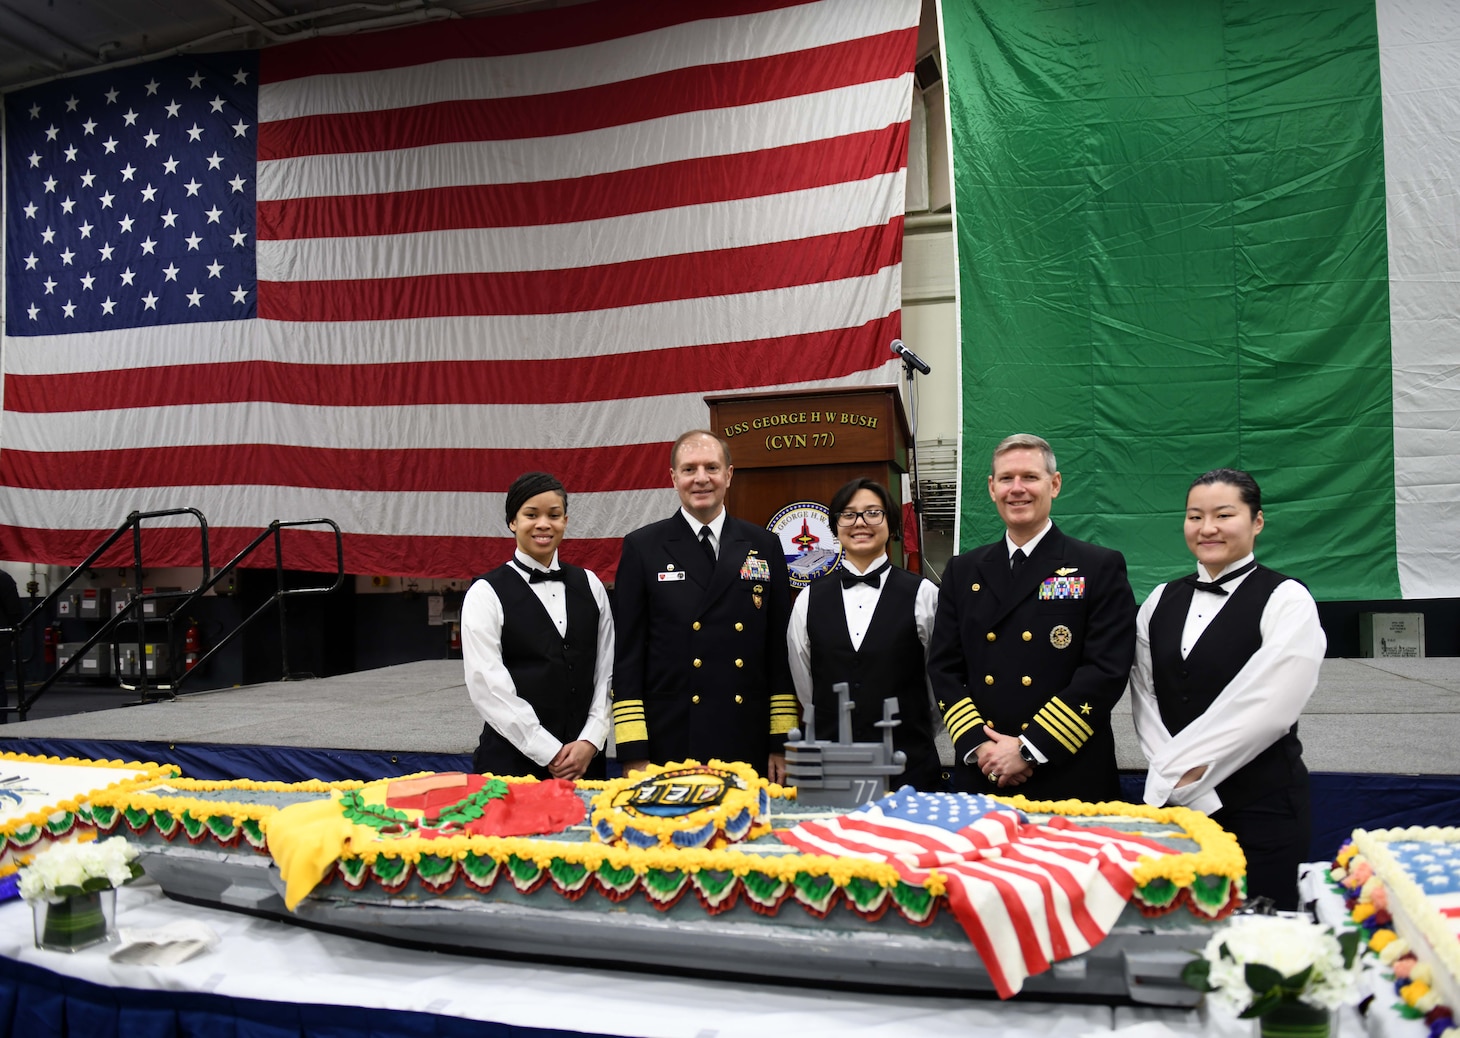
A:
[999,759]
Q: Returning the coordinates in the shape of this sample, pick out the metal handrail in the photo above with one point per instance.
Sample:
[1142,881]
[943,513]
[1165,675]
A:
[280,596]
[41,609]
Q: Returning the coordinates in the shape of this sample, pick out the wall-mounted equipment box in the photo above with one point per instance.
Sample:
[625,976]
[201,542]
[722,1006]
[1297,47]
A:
[96,662]
[94,601]
[1392,635]
[156,655]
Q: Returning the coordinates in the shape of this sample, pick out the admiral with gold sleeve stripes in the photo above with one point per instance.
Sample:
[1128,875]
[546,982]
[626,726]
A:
[1043,654]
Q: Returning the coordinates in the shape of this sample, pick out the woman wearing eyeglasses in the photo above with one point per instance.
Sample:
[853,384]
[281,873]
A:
[868,624]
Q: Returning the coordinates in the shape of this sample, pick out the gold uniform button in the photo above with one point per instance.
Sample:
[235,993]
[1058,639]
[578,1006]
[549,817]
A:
[975,587]
[699,662]
[694,699]
[739,699]
[740,627]
[991,636]
[739,663]
[1027,636]
[988,679]
[696,625]
[1024,727]
[1026,681]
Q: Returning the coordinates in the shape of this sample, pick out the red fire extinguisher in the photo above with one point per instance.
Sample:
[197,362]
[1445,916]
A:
[456,637]
[50,639]
[192,645]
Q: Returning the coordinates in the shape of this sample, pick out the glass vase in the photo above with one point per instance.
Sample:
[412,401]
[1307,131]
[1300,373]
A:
[75,922]
[1295,1019]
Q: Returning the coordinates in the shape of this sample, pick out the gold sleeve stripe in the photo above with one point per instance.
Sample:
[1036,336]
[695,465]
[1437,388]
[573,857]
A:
[961,719]
[785,712]
[1052,727]
[1064,724]
[1080,724]
[628,721]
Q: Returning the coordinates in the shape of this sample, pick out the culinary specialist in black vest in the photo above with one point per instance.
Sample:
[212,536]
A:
[1033,645]
[1225,661]
[701,602]
[868,624]
[537,641]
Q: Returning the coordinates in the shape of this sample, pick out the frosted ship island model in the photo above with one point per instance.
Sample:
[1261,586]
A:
[843,773]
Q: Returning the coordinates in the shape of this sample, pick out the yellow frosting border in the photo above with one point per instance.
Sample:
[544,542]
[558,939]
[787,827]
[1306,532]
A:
[151,772]
[1219,855]
[1374,846]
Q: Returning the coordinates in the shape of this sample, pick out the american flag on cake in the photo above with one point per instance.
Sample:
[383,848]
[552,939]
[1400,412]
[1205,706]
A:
[1027,894]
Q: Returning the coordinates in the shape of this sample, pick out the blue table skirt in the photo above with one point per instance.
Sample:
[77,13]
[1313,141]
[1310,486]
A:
[36,1003]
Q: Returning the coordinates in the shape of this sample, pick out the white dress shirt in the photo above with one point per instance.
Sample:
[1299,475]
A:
[860,602]
[488,682]
[716,525]
[1250,714]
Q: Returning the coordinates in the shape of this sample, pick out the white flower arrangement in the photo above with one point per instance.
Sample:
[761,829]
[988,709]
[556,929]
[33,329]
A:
[1259,962]
[67,869]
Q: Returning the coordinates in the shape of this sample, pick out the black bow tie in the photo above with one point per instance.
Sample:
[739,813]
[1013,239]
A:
[873,579]
[1215,586]
[537,576]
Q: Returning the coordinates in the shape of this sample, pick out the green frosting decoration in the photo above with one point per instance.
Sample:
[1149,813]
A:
[616,879]
[567,875]
[663,884]
[61,823]
[254,833]
[469,810]
[433,866]
[1211,892]
[714,884]
[865,894]
[763,889]
[481,869]
[524,870]
[104,817]
[223,828]
[1158,893]
[914,902]
[193,826]
[376,816]
[815,891]
[138,819]
[388,870]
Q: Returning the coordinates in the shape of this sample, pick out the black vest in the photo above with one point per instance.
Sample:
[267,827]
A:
[1186,688]
[553,674]
[889,663]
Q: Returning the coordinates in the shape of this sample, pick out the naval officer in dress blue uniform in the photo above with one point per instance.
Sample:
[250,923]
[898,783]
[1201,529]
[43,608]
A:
[1033,645]
[701,603]
[537,646]
[1226,659]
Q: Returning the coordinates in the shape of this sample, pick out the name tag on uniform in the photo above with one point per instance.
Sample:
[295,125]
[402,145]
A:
[673,574]
[1062,587]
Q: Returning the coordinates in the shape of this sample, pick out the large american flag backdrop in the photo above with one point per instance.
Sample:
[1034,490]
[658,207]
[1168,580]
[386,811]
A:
[375,278]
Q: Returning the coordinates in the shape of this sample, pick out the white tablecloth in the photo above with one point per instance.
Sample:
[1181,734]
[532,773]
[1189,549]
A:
[272,961]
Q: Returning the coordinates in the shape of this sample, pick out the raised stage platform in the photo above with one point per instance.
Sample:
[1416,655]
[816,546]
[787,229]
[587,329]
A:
[1381,736]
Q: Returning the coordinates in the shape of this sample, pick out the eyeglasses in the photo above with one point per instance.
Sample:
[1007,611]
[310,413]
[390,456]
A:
[872,517]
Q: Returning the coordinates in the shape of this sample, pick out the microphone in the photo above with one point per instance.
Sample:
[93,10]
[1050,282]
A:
[910,358]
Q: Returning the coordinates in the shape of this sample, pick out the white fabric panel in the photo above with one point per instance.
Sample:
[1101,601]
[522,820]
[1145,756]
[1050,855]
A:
[759,35]
[1419,42]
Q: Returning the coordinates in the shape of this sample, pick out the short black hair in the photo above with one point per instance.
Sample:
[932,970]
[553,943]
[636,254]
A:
[1247,487]
[849,490]
[527,486]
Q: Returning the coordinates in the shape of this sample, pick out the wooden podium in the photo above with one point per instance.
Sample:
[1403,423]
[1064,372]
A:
[803,445]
